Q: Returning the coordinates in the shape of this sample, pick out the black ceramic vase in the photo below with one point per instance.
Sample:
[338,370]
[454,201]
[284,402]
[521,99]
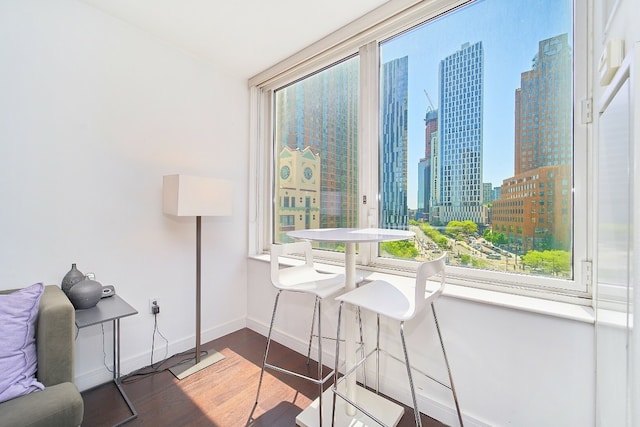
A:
[71,278]
[85,294]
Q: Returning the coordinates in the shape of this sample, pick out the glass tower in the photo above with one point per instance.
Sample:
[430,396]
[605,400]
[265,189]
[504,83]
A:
[461,82]
[393,163]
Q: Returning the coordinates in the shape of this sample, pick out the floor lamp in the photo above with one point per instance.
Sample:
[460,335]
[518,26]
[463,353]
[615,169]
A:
[197,196]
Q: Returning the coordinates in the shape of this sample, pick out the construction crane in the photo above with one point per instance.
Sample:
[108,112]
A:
[429,99]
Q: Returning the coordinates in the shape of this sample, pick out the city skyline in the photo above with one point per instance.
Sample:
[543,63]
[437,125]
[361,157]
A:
[505,59]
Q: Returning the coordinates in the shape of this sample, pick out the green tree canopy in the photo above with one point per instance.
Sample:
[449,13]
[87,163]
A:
[458,229]
[495,237]
[548,262]
[400,249]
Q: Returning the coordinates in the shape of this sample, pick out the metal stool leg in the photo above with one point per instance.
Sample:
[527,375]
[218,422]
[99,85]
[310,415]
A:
[336,366]
[313,319]
[446,360]
[416,411]
[377,354]
[266,353]
[363,351]
[321,385]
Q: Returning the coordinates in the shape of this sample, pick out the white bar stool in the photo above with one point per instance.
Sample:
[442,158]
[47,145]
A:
[302,279]
[399,304]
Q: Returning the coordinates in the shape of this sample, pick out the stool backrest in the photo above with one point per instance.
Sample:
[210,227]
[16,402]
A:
[426,270]
[281,277]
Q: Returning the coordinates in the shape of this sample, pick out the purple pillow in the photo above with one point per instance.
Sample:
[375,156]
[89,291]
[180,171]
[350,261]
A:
[18,360]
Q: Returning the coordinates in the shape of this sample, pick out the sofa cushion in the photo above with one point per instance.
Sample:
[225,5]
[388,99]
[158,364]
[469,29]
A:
[18,361]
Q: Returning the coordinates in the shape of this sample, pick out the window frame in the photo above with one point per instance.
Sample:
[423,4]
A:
[362,38]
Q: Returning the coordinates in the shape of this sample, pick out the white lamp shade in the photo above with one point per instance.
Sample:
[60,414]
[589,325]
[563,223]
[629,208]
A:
[184,195]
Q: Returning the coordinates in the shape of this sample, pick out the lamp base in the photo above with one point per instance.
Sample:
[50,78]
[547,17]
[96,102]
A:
[183,370]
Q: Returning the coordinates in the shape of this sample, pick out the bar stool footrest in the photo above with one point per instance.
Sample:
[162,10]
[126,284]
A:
[301,376]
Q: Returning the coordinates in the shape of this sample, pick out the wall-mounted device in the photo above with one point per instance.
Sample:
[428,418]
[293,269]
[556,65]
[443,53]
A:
[108,291]
[610,60]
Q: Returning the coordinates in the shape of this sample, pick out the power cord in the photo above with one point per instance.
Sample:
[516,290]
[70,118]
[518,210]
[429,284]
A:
[156,367]
[153,337]
[147,370]
[104,353]
[153,368]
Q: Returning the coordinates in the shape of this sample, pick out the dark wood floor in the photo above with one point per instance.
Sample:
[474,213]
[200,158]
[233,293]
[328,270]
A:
[221,395]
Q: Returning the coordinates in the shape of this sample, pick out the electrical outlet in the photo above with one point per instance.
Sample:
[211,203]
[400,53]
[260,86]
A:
[154,305]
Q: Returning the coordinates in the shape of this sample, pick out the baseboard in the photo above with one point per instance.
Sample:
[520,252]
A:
[294,343]
[444,412]
[102,374]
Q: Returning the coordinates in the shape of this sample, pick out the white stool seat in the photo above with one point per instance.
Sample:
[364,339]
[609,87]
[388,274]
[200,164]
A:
[306,279]
[383,298]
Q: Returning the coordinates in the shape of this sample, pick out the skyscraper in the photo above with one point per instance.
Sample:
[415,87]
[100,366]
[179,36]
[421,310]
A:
[461,82]
[393,164]
[544,108]
[425,169]
[534,208]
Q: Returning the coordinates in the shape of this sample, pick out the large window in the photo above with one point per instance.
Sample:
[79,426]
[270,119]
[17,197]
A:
[458,124]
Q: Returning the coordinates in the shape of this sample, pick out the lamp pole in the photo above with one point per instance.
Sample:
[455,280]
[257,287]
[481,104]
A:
[198,287]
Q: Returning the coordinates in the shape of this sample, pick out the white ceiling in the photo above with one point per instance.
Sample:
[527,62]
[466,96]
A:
[243,36]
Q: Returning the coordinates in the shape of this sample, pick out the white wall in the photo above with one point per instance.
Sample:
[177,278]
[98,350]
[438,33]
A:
[510,367]
[92,114]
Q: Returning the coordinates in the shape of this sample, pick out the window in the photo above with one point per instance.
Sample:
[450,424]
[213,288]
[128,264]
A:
[445,123]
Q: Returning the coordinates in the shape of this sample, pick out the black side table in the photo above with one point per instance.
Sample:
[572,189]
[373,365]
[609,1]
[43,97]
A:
[111,308]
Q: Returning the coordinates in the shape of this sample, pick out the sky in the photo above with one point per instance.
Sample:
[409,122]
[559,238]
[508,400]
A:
[510,31]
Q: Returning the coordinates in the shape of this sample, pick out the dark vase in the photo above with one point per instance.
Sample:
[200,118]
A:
[71,278]
[85,294]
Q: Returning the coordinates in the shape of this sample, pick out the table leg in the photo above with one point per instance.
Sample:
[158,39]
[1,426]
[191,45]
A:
[116,372]
[116,349]
[350,325]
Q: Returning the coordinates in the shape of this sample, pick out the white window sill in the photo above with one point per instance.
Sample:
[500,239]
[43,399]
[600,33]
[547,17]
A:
[546,307]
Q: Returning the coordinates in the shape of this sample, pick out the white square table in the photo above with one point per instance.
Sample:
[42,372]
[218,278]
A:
[381,408]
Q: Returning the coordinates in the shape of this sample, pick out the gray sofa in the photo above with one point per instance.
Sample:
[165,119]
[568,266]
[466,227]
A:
[60,403]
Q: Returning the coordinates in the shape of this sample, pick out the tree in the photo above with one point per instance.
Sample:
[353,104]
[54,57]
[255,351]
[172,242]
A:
[495,237]
[469,227]
[532,259]
[400,249]
[458,229]
[453,228]
[548,262]
[442,241]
